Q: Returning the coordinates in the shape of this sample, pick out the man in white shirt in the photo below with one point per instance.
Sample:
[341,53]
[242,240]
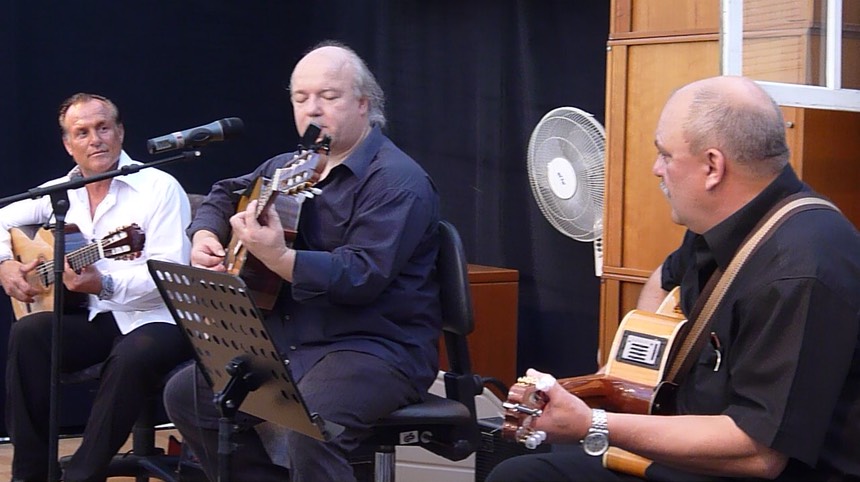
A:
[125,323]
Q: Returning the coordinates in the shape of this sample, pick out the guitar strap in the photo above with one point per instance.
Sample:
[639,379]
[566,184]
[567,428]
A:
[719,283]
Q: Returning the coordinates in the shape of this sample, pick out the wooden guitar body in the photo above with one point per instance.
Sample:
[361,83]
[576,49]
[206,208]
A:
[632,380]
[34,242]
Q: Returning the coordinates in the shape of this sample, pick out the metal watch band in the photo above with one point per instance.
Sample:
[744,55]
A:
[107,287]
[598,420]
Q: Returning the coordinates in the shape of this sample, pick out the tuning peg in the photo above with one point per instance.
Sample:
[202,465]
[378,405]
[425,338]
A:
[535,439]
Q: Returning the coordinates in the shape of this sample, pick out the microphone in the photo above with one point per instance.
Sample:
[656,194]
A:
[198,136]
[309,138]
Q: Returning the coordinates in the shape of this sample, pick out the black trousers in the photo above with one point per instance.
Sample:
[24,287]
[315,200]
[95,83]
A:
[132,374]
[348,388]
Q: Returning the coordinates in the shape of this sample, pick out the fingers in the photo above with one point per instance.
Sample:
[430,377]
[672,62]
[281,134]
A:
[207,261]
[543,381]
[209,247]
[27,267]
[13,278]
[21,291]
[250,218]
[274,219]
[208,253]
[84,280]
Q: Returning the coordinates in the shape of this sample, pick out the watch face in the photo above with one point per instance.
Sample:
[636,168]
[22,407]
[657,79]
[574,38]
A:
[595,443]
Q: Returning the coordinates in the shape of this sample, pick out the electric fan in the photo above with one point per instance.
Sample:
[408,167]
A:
[566,160]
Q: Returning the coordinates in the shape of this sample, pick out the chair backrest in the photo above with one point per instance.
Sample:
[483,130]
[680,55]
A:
[195,200]
[455,297]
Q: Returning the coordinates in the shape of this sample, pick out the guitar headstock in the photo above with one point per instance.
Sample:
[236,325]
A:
[125,242]
[525,403]
[299,176]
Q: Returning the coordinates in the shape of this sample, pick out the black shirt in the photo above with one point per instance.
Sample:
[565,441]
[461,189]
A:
[788,333]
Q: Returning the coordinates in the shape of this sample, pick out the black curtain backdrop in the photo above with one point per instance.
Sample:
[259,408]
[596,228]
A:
[466,82]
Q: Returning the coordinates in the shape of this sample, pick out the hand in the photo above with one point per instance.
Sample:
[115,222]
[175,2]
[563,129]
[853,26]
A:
[263,237]
[207,252]
[87,280]
[565,418]
[13,277]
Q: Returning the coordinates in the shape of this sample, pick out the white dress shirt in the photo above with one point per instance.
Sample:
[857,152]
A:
[152,199]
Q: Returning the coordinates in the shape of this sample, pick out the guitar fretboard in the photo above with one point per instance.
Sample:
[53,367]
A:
[78,259]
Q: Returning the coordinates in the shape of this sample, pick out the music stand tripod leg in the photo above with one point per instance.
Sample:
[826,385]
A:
[228,401]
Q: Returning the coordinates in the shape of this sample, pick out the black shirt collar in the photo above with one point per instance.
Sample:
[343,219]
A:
[725,238]
[359,161]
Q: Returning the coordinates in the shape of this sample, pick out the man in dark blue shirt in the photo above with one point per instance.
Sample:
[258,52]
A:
[359,315]
[774,395]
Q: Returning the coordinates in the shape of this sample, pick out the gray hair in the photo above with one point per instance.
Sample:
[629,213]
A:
[749,130]
[365,83]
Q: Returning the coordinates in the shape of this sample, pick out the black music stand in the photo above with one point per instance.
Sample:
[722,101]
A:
[235,353]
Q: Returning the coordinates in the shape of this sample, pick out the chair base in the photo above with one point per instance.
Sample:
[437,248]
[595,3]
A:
[158,466]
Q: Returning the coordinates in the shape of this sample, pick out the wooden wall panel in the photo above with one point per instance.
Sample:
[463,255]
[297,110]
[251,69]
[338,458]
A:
[654,72]
[828,159]
[617,299]
[671,17]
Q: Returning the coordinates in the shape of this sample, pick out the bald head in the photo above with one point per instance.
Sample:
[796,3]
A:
[336,57]
[736,116]
[345,61]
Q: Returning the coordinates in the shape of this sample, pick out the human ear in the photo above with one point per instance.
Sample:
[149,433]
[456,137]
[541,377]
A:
[715,163]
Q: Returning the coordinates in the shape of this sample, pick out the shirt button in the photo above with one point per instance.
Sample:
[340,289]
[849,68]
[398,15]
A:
[292,347]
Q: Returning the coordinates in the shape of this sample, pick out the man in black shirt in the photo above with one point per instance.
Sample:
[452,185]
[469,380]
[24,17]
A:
[775,394]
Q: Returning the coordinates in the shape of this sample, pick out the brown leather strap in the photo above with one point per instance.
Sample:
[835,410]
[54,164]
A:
[719,282]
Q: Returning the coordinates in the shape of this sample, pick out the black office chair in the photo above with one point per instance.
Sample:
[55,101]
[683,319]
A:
[446,426]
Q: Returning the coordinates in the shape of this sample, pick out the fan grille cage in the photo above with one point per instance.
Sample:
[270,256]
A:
[570,139]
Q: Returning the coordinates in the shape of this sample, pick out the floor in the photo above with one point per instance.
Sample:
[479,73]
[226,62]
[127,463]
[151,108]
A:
[67,446]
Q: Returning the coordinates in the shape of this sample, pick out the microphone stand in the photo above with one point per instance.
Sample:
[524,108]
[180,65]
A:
[60,202]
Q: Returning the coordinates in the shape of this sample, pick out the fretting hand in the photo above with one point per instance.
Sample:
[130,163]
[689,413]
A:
[565,418]
[262,235]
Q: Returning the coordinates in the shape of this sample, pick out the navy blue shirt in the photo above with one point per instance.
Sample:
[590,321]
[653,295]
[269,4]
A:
[787,332]
[364,277]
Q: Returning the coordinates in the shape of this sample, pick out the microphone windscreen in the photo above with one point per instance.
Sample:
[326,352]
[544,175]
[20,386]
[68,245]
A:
[232,126]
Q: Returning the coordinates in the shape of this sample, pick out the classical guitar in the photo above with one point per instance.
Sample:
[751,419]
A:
[631,381]
[33,242]
[295,180]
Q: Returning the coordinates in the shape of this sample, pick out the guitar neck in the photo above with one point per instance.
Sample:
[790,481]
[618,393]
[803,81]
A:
[266,198]
[78,259]
[611,393]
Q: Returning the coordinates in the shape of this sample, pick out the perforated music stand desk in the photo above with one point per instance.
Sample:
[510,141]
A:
[223,324]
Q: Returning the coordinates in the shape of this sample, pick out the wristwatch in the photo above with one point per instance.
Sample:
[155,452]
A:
[107,287]
[596,441]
